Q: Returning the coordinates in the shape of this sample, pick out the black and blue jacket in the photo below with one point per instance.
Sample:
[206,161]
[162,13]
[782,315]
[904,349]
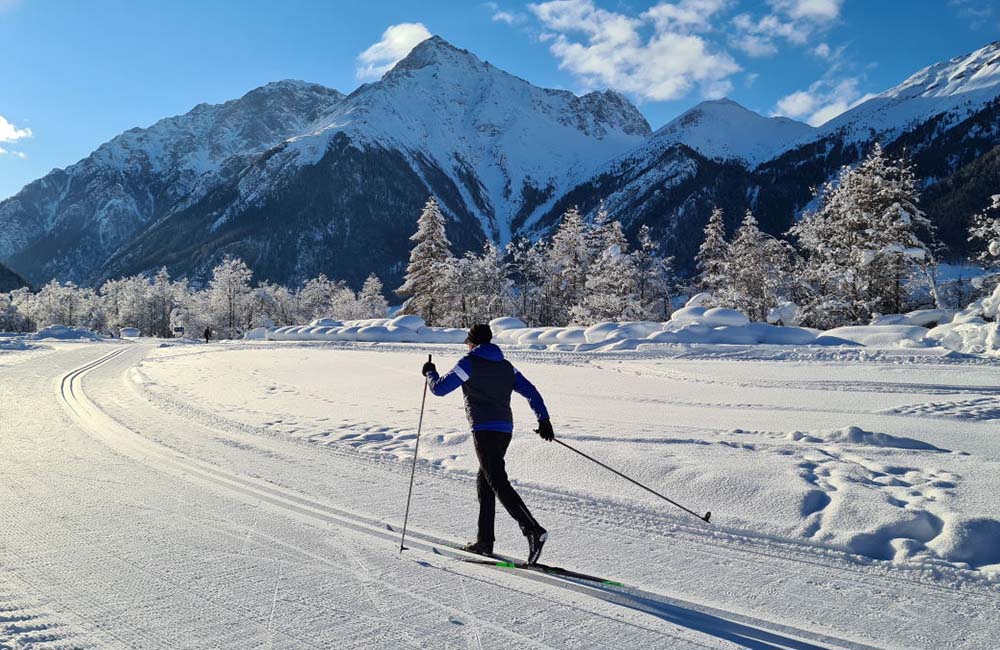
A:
[487,380]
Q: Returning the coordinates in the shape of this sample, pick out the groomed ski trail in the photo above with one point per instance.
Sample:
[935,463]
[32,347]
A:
[729,626]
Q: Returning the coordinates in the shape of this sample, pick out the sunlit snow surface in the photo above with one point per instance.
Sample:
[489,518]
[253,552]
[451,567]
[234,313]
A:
[853,493]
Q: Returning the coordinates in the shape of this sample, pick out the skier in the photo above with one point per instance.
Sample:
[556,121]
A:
[208,334]
[487,380]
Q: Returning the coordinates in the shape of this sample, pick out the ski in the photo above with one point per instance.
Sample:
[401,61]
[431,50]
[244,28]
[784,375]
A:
[501,563]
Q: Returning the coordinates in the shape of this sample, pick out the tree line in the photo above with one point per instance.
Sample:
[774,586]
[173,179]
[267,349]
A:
[865,249]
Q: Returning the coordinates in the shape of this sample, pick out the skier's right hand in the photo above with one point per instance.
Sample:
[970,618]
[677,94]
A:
[545,430]
[428,367]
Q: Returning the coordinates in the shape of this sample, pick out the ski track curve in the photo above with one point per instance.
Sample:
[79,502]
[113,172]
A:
[736,628]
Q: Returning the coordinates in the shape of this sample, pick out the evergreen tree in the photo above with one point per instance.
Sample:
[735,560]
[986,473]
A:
[530,270]
[712,254]
[568,261]
[655,277]
[373,303]
[757,271]
[864,242]
[424,274]
[984,234]
[611,291]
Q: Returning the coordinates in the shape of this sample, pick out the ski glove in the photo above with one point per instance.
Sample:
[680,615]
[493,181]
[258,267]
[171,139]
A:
[545,430]
[428,367]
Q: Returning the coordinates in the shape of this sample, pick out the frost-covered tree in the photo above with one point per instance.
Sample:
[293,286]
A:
[712,254]
[984,234]
[229,296]
[864,242]
[428,258]
[371,300]
[757,271]
[13,318]
[568,260]
[611,292]
[529,269]
[654,276]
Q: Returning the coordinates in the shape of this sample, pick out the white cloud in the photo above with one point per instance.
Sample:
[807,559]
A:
[795,21]
[10,133]
[396,43]
[605,48]
[814,10]
[822,101]
[503,16]
[976,12]
[822,51]
[16,154]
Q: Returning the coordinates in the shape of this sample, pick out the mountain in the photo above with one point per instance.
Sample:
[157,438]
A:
[10,280]
[723,130]
[70,221]
[945,119]
[337,188]
[298,179]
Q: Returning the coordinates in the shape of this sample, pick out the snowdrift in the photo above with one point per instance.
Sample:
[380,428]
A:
[969,330]
[63,333]
[974,330]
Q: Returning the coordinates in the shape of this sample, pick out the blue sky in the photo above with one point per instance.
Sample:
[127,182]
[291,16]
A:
[75,74]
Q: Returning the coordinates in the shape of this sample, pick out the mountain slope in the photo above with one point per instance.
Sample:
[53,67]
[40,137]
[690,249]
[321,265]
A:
[10,280]
[493,148]
[68,222]
[724,130]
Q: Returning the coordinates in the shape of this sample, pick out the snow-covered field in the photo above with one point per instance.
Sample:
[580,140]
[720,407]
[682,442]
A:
[243,495]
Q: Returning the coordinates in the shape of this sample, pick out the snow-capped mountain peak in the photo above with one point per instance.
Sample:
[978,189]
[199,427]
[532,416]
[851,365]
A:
[502,142]
[953,90]
[723,129]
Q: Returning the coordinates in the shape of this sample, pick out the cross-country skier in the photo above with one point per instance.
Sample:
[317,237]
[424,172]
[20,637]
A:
[487,380]
[208,334]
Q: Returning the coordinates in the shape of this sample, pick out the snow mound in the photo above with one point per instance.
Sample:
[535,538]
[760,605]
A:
[972,540]
[921,318]
[326,322]
[129,332]
[506,323]
[63,333]
[412,323]
[880,336]
[858,436]
[974,330]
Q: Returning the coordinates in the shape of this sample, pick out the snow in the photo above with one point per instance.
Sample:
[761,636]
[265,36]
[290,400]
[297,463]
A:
[880,335]
[129,332]
[974,330]
[258,489]
[63,333]
[724,130]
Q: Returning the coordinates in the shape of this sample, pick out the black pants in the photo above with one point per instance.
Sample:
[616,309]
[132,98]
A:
[492,484]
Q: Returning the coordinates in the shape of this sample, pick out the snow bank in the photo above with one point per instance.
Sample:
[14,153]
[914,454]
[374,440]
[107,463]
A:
[63,333]
[858,436]
[402,329]
[975,329]
[879,336]
[129,332]
[921,318]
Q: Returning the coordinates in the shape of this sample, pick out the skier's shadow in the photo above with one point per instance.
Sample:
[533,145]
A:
[744,635]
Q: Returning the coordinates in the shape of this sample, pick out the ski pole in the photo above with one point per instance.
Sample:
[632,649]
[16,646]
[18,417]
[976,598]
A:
[704,517]
[413,470]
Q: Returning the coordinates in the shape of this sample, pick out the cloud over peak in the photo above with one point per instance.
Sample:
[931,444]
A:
[10,133]
[395,44]
[657,55]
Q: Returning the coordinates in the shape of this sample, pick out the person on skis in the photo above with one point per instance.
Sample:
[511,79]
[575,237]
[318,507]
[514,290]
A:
[487,381]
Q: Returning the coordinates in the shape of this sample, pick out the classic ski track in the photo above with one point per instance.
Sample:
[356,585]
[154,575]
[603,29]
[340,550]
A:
[718,536]
[130,443]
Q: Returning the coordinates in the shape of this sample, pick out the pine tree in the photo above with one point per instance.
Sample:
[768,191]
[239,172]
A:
[984,234]
[372,301]
[655,277]
[422,285]
[712,254]
[530,270]
[568,261]
[757,269]
[864,242]
[611,291]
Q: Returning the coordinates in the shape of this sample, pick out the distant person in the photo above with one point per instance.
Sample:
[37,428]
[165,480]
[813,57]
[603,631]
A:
[487,380]
[208,334]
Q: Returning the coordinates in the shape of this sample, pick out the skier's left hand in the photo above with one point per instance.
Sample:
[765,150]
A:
[428,367]
[545,430]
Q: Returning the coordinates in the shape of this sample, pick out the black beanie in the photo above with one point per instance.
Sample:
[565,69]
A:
[479,334]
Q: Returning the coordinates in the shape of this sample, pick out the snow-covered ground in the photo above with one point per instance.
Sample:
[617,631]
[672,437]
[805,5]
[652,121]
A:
[238,495]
